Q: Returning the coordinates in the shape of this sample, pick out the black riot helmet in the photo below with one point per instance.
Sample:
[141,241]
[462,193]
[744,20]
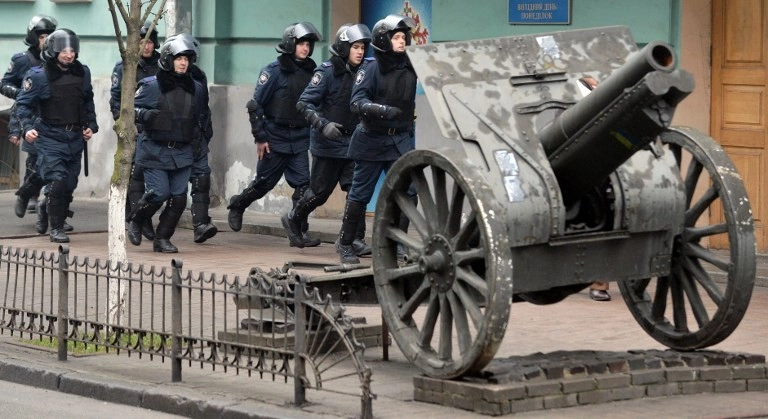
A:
[383,30]
[38,25]
[58,41]
[297,32]
[175,45]
[152,36]
[347,35]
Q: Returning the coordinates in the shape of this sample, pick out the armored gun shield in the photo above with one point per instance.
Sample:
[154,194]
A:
[545,189]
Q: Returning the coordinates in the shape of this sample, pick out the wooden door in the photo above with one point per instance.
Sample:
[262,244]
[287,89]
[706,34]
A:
[739,97]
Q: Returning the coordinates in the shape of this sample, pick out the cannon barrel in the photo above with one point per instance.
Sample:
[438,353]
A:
[628,110]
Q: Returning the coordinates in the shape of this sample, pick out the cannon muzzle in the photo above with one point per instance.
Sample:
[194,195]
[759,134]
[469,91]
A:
[628,110]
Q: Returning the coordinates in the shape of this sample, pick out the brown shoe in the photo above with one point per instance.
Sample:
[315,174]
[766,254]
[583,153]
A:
[599,295]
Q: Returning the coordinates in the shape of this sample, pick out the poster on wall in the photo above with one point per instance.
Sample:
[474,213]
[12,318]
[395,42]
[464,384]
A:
[420,10]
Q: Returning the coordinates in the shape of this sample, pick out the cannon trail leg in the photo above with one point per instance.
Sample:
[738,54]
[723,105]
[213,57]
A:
[447,308]
[692,308]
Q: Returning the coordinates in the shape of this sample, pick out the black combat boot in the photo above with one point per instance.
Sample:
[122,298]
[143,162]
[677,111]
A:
[134,195]
[403,254]
[137,219]
[57,211]
[359,245]
[352,213]
[292,228]
[28,190]
[41,225]
[238,204]
[201,200]
[169,218]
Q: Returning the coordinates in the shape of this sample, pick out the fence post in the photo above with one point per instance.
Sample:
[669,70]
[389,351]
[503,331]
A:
[176,311]
[62,327]
[299,368]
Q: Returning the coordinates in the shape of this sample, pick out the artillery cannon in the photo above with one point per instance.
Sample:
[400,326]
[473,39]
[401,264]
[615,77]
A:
[541,191]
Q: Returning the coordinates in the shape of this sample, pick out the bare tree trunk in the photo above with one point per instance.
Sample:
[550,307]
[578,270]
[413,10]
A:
[125,128]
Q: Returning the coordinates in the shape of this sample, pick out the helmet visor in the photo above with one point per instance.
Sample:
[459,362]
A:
[356,33]
[306,30]
[63,43]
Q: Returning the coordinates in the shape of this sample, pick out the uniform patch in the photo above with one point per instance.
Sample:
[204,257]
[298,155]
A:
[360,76]
[263,77]
[115,80]
[316,79]
[27,84]
[10,67]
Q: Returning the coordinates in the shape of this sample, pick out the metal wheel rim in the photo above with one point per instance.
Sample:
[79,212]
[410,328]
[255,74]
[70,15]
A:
[449,268]
[690,292]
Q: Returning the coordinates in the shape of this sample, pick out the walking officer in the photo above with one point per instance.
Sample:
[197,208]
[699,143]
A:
[279,129]
[38,29]
[200,178]
[169,106]
[325,105]
[147,66]
[62,92]
[384,97]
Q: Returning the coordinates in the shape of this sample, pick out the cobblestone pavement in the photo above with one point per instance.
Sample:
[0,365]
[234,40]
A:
[576,324]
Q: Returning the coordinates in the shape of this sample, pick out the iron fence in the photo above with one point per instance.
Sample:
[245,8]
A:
[269,324]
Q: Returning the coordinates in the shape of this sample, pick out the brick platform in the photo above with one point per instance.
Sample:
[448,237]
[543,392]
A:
[572,378]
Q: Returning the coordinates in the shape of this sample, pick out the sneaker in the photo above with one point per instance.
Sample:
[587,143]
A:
[361,248]
[599,295]
[346,254]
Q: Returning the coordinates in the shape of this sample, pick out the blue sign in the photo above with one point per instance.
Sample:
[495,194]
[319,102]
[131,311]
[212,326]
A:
[545,12]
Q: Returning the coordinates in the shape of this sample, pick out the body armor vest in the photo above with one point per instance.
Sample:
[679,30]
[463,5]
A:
[339,110]
[396,88]
[34,61]
[282,110]
[146,68]
[176,122]
[64,105]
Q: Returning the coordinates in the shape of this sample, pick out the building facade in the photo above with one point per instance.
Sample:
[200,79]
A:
[239,36]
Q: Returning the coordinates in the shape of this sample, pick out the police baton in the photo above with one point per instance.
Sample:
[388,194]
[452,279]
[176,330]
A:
[85,157]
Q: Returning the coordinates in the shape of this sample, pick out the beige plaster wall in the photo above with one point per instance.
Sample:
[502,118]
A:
[694,54]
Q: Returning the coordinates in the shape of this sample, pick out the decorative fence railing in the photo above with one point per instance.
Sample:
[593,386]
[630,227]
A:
[269,324]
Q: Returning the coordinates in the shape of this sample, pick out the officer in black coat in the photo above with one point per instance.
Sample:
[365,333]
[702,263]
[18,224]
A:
[384,97]
[147,66]
[200,178]
[169,107]
[38,29]
[62,92]
[325,105]
[280,130]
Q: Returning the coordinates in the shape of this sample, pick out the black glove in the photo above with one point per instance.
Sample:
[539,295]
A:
[376,110]
[332,130]
[149,117]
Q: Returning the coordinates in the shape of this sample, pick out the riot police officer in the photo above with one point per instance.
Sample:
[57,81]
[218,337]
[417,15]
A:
[38,29]
[61,89]
[280,131]
[384,97]
[200,178]
[325,105]
[168,108]
[147,66]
